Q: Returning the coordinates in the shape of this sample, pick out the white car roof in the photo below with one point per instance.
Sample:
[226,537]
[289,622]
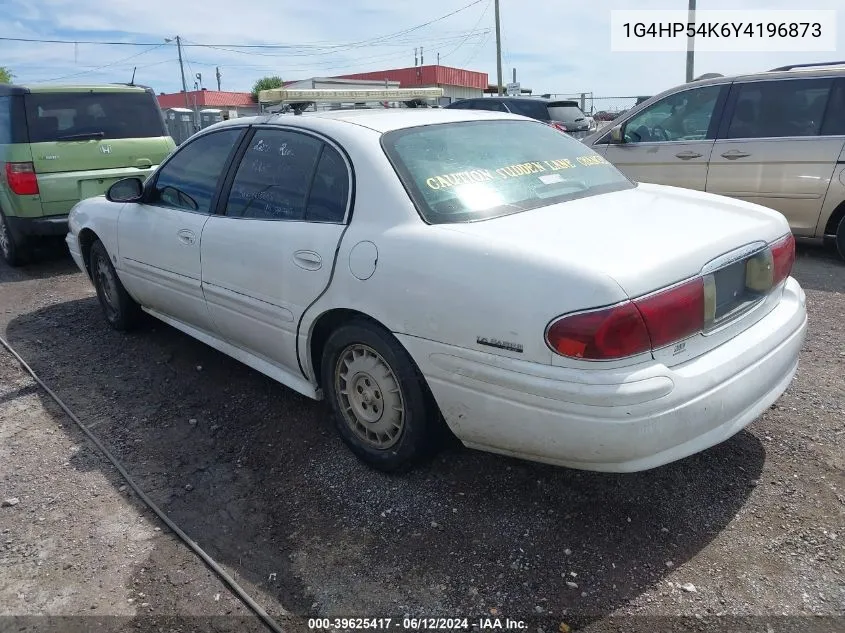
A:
[389,119]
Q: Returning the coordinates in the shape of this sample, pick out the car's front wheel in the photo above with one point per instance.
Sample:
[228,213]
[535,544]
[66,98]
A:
[11,250]
[119,308]
[381,405]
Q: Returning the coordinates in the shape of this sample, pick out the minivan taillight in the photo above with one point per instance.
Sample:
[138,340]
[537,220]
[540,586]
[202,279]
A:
[783,258]
[558,126]
[22,179]
[632,327]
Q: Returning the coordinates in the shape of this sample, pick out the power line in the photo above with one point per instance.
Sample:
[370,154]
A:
[85,72]
[250,46]
[474,28]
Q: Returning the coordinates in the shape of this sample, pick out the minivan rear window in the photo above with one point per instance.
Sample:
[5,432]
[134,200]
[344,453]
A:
[474,170]
[73,116]
[565,111]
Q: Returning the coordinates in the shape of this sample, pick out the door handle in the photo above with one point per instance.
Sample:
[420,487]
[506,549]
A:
[308,260]
[187,236]
[688,155]
[734,154]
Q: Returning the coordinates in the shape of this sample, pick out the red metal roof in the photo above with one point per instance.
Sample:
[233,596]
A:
[426,76]
[206,99]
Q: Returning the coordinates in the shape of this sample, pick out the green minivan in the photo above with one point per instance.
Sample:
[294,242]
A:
[62,144]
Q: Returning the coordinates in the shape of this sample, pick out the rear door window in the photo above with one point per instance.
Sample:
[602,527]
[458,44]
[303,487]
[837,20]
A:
[275,175]
[777,109]
[92,115]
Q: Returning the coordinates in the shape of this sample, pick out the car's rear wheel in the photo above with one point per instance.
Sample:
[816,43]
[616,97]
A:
[12,250]
[120,310]
[840,238]
[381,405]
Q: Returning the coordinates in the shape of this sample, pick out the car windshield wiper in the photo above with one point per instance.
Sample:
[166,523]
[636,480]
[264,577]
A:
[84,135]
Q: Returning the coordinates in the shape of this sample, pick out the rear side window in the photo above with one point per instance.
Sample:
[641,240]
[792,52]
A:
[329,195]
[12,120]
[534,109]
[565,111]
[493,105]
[772,109]
[834,120]
[85,115]
[473,170]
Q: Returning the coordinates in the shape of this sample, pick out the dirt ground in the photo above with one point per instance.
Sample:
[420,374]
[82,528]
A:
[256,475]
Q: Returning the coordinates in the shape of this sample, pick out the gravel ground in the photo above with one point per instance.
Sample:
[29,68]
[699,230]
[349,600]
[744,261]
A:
[255,474]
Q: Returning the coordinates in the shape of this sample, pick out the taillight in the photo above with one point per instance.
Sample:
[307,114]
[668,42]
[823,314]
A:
[632,327]
[558,126]
[22,179]
[673,314]
[783,258]
[614,332]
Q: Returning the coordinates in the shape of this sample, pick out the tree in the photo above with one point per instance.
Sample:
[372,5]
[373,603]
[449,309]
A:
[5,75]
[266,83]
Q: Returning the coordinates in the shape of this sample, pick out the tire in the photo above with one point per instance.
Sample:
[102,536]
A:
[120,310]
[13,251]
[840,238]
[366,360]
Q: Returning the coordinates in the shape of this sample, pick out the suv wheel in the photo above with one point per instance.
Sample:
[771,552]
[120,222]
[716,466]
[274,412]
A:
[11,250]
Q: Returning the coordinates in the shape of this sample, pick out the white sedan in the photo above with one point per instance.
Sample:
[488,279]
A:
[433,269]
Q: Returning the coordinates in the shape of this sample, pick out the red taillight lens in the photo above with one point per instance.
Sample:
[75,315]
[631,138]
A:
[783,257]
[675,313]
[632,327]
[558,126]
[614,332]
[22,179]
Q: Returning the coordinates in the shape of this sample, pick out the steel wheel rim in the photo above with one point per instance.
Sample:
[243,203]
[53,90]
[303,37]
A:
[5,241]
[108,286]
[370,396]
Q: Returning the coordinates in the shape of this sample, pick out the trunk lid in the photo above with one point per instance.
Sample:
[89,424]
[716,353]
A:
[652,237]
[645,238]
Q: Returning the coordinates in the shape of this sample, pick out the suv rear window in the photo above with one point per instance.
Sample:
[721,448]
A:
[534,109]
[473,170]
[84,115]
[565,111]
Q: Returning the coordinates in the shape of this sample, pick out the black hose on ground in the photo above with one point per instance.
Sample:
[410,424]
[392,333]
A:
[210,562]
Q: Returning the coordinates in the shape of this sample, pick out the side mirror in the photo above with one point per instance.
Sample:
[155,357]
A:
[126,190]
[616,134]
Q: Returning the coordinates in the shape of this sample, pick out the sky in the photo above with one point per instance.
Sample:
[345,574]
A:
[560,47]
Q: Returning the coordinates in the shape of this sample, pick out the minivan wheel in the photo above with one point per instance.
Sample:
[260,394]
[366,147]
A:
[12,251]
[120,310]
[382,408]
[840,238]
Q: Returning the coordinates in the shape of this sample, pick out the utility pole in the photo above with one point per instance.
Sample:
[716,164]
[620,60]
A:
[182,69]
[217,70]
[498,51]
[691,43]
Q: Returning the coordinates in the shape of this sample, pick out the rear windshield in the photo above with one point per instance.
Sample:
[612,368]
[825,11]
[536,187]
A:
[565,111]
[473,170]
[84,115]
[534,109]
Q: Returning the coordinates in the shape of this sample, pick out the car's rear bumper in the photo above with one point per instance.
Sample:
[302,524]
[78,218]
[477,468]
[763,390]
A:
[49,226]
[618,420]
